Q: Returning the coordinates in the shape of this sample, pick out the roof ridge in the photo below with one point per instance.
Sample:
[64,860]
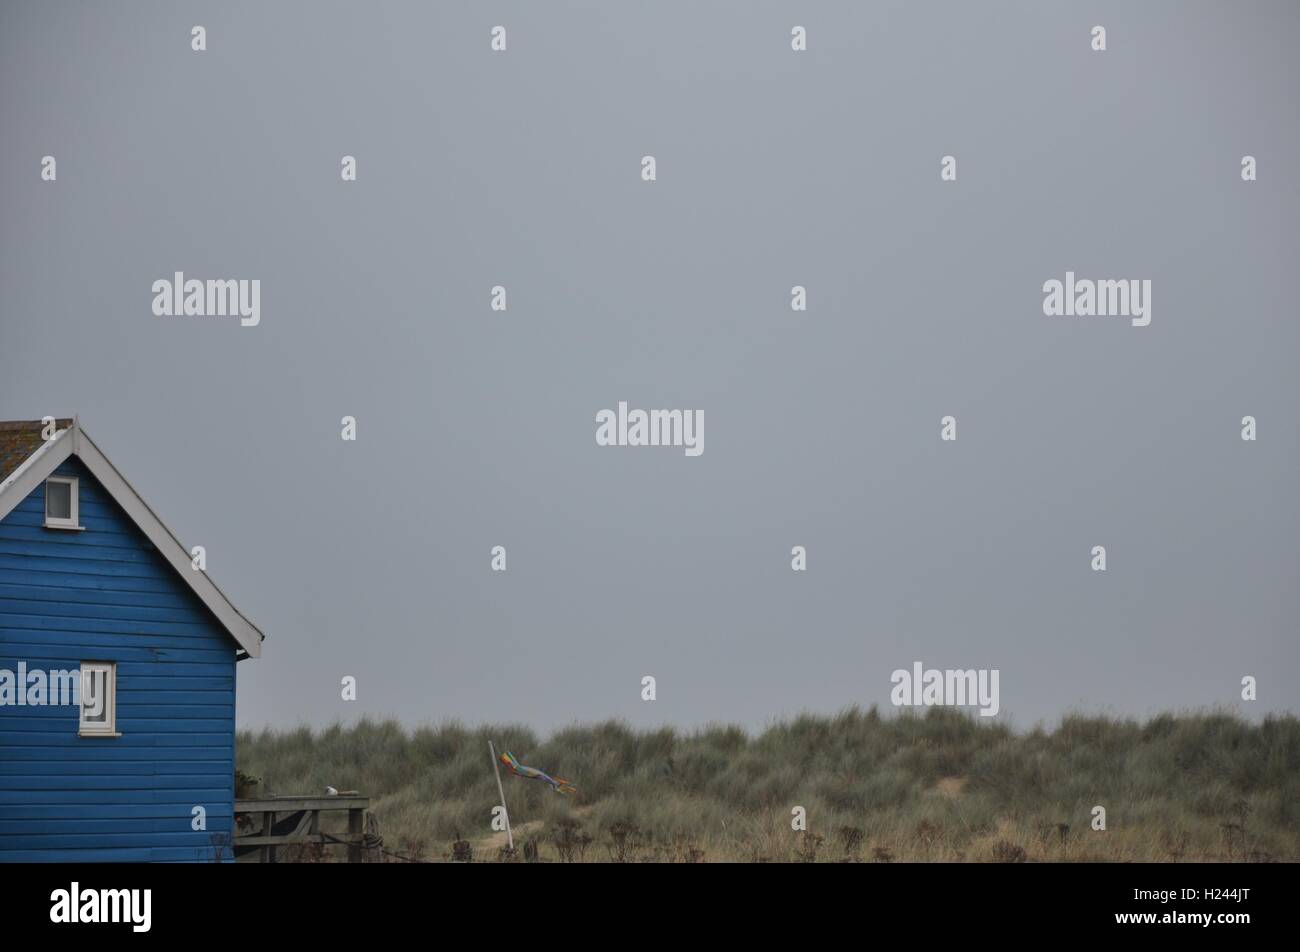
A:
[25,424]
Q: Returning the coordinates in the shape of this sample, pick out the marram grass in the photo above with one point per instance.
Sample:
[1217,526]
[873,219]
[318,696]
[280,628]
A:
[940,786]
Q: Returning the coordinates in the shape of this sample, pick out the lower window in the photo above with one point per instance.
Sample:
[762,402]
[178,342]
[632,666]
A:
[98,699]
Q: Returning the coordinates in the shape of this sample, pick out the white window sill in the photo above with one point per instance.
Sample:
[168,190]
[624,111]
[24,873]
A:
[98,734]
[55,525]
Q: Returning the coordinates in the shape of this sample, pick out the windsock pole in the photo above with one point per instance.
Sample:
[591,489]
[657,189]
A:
[496,768]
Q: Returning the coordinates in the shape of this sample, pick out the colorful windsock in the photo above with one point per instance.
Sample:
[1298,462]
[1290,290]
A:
[558,784]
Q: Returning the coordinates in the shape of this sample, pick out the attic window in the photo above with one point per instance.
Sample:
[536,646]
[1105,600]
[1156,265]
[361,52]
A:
[61,503]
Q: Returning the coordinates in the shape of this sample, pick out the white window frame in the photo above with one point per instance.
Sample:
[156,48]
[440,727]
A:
[108,726]
[74,515]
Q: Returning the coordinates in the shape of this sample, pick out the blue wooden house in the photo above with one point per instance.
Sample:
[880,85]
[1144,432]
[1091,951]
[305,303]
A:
[117,667]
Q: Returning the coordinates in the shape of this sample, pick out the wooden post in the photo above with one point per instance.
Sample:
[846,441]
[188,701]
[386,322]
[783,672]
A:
[356,829]
[496,769]
[268,818]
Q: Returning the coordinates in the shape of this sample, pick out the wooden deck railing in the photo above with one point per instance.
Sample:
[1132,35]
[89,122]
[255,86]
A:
[306,831]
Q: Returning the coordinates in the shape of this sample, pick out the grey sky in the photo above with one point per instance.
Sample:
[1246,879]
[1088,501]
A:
[774,169]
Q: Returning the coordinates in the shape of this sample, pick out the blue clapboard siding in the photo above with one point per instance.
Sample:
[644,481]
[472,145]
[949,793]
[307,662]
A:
[106,594]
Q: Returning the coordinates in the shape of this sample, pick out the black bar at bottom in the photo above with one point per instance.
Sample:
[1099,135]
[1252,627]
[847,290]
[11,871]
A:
[337,901]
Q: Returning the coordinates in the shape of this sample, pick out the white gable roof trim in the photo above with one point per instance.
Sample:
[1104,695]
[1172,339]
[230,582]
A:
[74,442]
